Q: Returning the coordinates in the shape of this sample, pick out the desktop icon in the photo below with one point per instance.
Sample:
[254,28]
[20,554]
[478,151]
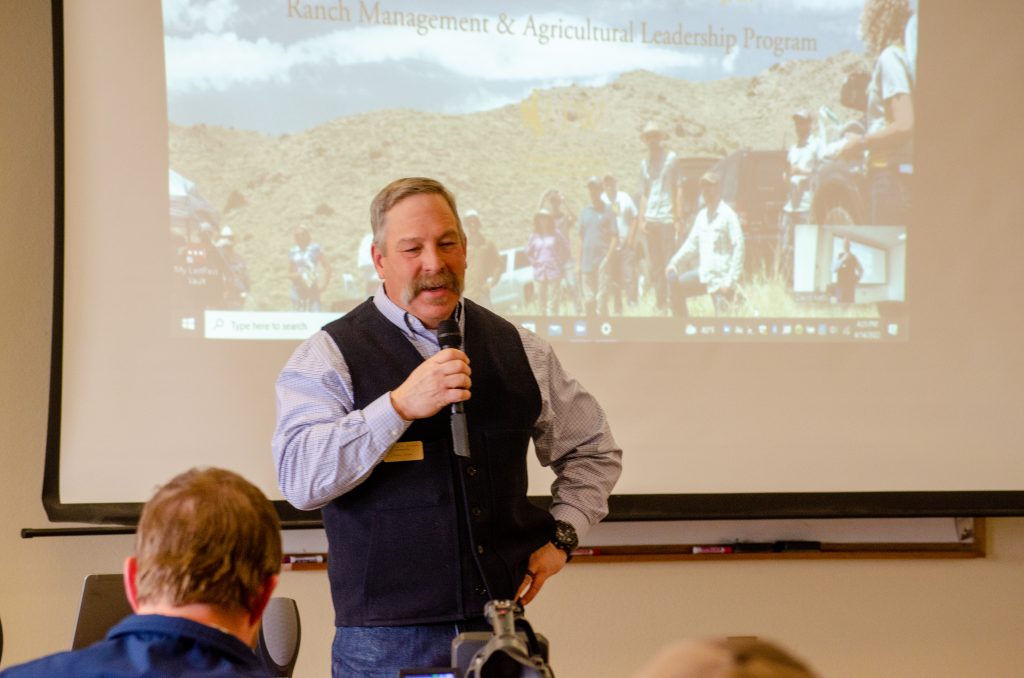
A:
[579,328]
[606,329]
[555,330]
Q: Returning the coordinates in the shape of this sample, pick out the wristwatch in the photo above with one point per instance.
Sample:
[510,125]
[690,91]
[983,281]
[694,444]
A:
[565,538]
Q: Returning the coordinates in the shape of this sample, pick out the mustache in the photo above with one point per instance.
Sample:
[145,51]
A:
[442,279]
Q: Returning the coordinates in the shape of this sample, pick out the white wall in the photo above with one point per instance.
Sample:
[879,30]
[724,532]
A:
[850,618]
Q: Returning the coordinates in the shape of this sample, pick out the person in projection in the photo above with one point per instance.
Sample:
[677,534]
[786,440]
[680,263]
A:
[848,271]
[308,270]
[484,265]
[564,221]
[598,242]
[622,265]
[717,240]
[887,146]
[207,270]
[802,160]
[660,207]
[236,271]
[548,251]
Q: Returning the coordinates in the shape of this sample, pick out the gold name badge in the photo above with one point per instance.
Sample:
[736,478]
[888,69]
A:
[409,450]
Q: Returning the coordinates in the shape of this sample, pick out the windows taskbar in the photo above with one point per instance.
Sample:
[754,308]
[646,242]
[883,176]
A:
[668,329]
[264,325]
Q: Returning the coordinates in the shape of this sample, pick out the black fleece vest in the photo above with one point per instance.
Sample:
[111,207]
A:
[406,547]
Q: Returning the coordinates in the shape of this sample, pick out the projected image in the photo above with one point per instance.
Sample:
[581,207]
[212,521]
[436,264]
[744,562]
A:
[850,269]
[653,171]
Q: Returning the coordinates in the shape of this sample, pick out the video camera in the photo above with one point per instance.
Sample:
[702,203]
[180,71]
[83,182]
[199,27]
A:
[513,651]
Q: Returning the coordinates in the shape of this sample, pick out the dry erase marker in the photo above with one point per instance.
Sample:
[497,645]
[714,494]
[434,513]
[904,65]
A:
[712,549]
[295,560]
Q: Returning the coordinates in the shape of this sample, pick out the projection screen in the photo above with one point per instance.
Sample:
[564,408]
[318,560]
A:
[848,349]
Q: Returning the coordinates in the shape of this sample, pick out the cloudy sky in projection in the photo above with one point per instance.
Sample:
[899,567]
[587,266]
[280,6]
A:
[260,65]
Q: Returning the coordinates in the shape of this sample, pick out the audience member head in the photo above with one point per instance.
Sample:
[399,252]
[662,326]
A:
[208,547]
[724,658]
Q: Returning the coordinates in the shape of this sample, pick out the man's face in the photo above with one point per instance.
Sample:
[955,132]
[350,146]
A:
[424,259]
[803,128]
[653,141]
[709,192]
[611,189]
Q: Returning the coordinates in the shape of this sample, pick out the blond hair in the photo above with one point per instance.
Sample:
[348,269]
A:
[399,190]
[753,658]
[724,658]
[882,23]
[208,536]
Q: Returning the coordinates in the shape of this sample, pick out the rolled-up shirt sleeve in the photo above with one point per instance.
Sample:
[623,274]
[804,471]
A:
[323,447]
[572,436]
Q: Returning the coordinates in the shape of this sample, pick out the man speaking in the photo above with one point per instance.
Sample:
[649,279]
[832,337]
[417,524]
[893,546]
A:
[421,538]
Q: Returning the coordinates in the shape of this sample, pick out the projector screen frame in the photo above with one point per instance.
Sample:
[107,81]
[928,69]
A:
[653,507]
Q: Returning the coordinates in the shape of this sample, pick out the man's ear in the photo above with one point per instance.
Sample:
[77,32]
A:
[131,590]
[377,256]
[262,599]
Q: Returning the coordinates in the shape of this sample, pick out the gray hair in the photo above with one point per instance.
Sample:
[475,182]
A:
[397,191]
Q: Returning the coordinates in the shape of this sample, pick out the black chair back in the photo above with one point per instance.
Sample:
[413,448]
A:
[103,605]
[278,643]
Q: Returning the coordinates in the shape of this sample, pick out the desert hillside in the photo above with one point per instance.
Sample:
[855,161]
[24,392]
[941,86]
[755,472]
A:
[498,162]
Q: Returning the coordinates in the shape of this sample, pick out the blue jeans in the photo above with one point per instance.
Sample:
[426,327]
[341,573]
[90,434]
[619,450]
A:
[381,651]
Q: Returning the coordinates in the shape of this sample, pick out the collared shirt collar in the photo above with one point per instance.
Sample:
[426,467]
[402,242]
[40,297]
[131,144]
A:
[183,627]
[411,326]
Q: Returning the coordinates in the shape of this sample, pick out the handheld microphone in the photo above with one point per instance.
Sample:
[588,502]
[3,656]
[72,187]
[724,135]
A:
[449,336]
